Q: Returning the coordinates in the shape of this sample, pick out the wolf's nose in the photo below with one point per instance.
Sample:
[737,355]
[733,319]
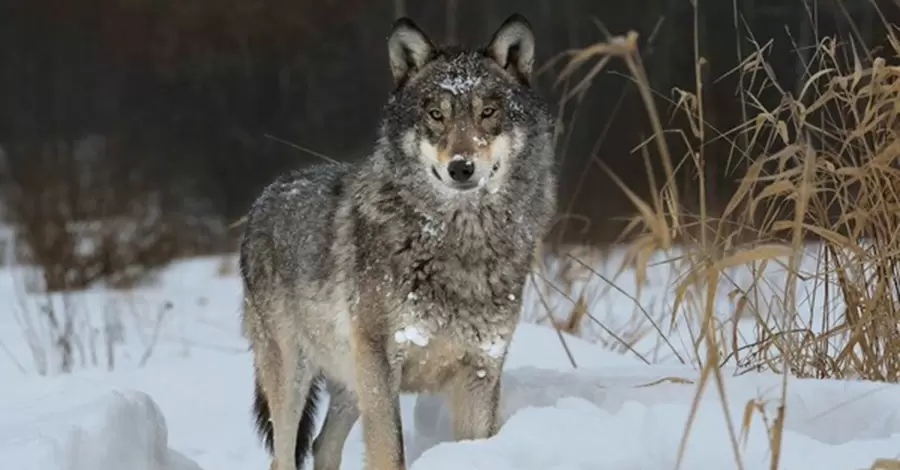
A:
[461,170]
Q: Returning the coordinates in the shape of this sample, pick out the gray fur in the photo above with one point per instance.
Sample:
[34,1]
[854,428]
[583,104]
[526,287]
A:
[382,276]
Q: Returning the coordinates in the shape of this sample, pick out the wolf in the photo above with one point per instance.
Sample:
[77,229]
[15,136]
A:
[402,272]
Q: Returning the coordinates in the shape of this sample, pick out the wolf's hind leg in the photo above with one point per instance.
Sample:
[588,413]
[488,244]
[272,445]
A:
[288,403]
[342,414]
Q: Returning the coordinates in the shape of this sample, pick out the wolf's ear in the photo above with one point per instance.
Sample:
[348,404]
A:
[409,49]
[513,47]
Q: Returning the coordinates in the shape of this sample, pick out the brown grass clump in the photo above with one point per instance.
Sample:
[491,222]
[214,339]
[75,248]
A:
[820,163]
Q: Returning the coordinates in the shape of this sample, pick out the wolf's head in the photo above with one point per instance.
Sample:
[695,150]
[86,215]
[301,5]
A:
[464,120]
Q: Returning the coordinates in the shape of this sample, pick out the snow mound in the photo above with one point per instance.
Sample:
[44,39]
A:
[614,412]
[610,418]
[111,430]
[576,434]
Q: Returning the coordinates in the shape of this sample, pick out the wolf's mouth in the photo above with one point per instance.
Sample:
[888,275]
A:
[469,184]
[465,186]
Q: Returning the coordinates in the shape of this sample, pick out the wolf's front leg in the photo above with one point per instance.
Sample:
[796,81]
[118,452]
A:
[474,399]
[378,387]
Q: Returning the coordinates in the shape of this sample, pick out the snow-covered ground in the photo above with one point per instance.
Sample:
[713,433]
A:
[160,378]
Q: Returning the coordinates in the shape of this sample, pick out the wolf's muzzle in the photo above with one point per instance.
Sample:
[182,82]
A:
[464,173]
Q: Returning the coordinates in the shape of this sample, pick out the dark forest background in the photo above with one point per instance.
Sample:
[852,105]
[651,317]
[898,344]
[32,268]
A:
[166,115]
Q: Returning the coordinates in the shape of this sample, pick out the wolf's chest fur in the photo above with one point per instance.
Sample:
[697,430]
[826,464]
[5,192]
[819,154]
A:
[451,287]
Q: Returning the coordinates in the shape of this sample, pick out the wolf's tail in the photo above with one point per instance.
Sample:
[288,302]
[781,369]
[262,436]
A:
[304,431]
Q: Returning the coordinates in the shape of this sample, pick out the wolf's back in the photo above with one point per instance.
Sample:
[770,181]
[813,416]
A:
[290,228]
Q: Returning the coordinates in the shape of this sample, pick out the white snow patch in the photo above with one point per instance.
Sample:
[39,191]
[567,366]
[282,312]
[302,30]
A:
[411,334]
[494,348]
[432,229]
[459,84]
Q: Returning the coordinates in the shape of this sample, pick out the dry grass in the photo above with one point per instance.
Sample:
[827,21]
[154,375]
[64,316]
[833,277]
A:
[70,331]
[821,162]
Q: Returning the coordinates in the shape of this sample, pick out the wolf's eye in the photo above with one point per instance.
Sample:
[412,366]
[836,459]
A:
[488,112]
[436,115]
